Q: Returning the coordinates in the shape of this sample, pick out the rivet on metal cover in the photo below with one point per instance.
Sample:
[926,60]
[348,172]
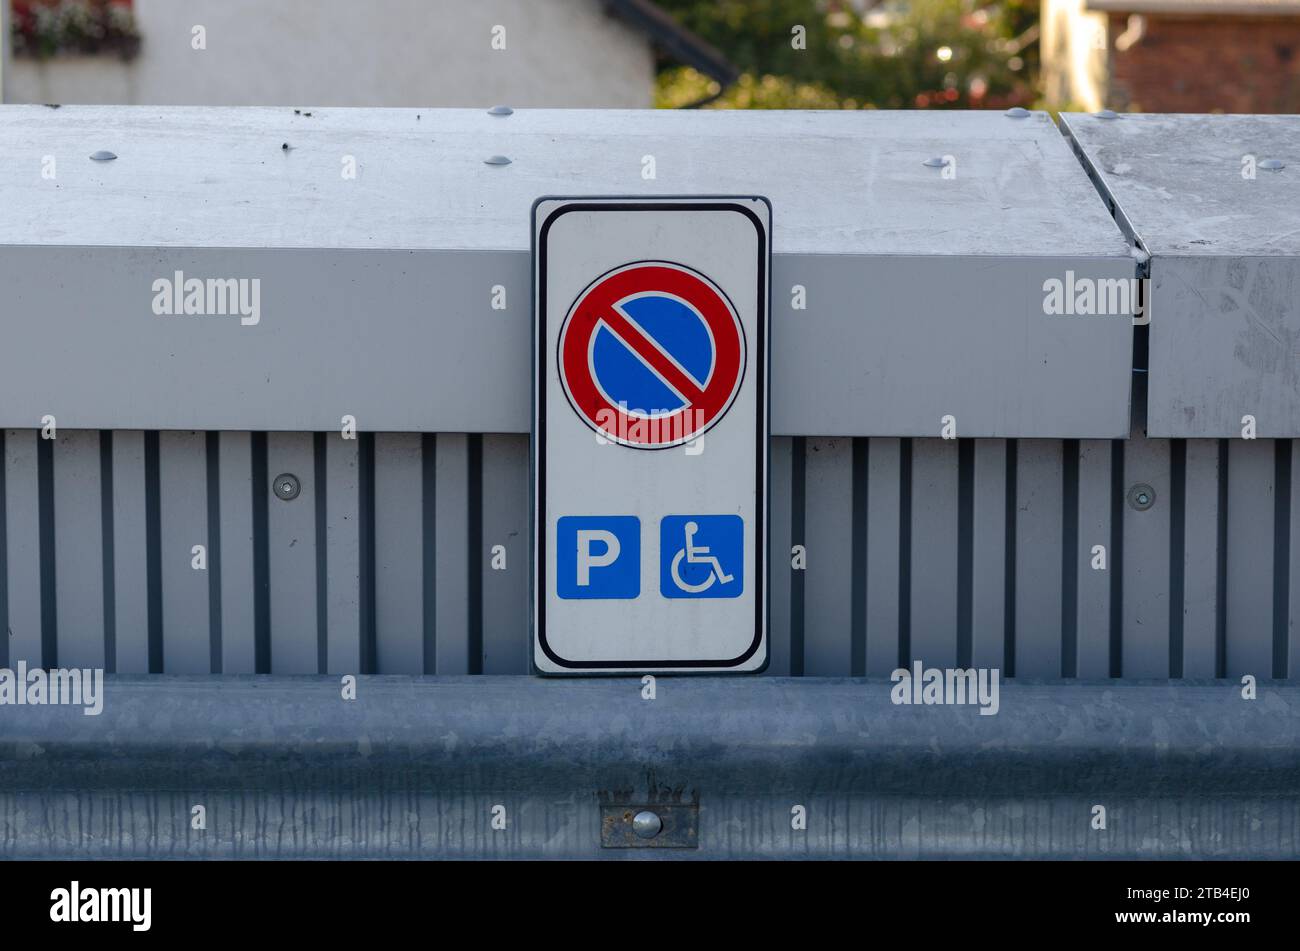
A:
[500,111]
[496,160]
[286,486]
[1141,496]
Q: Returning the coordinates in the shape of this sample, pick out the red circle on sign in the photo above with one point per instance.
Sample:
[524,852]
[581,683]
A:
[600,306]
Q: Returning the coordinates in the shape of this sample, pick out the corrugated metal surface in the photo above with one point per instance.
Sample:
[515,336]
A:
[952,552]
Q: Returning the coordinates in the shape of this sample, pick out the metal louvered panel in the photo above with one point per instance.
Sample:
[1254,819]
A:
[407,553]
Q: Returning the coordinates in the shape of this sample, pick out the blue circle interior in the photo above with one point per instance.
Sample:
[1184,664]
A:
[677,329]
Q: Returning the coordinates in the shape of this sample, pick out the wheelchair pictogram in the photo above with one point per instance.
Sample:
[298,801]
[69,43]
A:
[696,552]
[697,555]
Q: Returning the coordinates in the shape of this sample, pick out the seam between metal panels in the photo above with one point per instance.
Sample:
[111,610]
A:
[1108,198]
[261,557]
[153,550]
[1221,581]
[48,564]
[1009,563]
[109,546]
[5,633]
[1116,639]
[905,553]
[965,551]
[1177,553]
[798,528]
[369,644]
[212,443]
[429,531]
[107,529]
[474,554]
[858,579]
[1282,462]
[1070,558]
[322,552]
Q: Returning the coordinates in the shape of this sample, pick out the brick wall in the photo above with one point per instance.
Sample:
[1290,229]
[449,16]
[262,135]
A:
[1207,64]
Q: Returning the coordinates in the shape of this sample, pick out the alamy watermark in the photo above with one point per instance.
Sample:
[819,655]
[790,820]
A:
[1074,296]
[179,296]
[658,427]
[78,904]
[61,686]
[933,685]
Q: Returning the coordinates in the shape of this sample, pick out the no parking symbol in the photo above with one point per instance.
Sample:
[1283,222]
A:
[652,354]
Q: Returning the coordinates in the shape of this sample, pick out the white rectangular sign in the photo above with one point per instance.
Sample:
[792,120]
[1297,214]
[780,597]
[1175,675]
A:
[650,434]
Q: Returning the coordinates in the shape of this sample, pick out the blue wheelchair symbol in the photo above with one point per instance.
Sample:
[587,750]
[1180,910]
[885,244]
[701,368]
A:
[701,556]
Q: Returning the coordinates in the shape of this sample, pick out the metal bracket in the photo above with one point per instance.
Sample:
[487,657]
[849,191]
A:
[680,826]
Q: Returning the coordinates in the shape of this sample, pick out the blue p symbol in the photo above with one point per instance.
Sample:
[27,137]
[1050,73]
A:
[598,556]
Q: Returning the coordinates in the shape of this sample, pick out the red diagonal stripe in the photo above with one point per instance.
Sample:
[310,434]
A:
[652,356]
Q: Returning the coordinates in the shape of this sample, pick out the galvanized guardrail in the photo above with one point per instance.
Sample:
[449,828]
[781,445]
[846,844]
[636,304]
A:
[519,767]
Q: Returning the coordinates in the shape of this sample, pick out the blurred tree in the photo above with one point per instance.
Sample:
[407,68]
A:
[850,54]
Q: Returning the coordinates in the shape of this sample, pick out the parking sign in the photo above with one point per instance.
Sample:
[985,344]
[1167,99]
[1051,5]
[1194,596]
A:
[650,434]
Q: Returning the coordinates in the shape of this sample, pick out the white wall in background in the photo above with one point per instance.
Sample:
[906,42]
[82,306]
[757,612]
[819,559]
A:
[359,53]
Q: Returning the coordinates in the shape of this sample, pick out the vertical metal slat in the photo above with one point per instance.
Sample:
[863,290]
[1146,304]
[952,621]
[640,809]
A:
[183,509]
[235,494]
[1201,558]
[934,551]
[829,539]
[505,524]
[22,489]
[1092,614]
[1146,560]
[1040,495]
[399,557]
[988,548]
[79,548]
[1250,557]
[884,466]
[130,554]
[342,554]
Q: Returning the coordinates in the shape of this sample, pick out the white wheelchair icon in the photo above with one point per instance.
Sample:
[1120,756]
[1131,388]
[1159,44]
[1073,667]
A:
[697,555]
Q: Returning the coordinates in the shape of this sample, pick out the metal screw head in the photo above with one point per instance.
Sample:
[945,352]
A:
[1141,496]
[102,156]
[1107,114]
[646,824]
[1017,112]
[1272,164]
[496,160]
[937,162]
[286,486]
[500,111]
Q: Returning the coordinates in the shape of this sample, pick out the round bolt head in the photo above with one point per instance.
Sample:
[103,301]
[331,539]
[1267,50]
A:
[102,156]
[500,111]
[1017,112]
[1141,496]
[286,487]
[496,160]
[1107,114]
[1272,164]
[646,824]
[937,162]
